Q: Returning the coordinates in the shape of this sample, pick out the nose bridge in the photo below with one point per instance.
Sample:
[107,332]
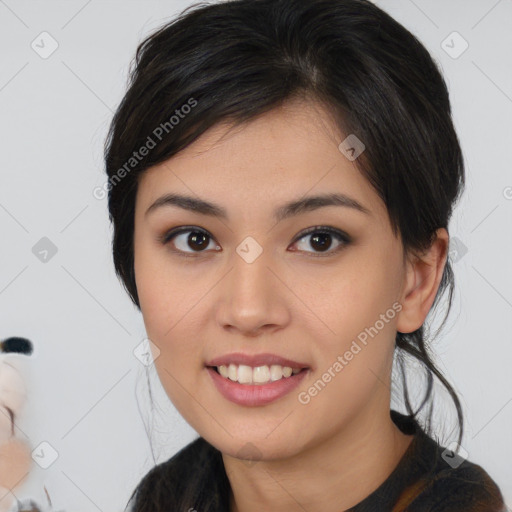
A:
[251,264]
[250,250]
[252,293]
[251,286]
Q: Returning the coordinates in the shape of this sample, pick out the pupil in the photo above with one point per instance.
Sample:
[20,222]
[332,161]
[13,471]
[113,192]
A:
[193,238]
[322,245]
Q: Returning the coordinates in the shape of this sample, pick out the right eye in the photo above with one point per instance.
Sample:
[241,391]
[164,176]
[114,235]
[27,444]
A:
[188,237]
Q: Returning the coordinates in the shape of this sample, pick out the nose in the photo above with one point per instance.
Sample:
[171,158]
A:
[253,295]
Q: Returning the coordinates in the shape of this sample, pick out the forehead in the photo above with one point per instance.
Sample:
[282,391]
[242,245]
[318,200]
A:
[286,153]
[277,135]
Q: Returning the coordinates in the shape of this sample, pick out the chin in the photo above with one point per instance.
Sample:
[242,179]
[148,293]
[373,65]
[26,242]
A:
[254,448]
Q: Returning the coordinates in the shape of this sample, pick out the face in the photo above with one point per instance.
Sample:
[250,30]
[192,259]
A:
[252,283]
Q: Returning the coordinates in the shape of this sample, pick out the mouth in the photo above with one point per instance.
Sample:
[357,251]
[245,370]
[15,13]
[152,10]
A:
[255,379]
[258,375]
[254,386]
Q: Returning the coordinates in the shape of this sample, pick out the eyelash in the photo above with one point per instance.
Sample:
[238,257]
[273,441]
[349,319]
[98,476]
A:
[340,235]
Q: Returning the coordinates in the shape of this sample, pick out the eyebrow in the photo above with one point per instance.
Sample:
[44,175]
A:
[296,207]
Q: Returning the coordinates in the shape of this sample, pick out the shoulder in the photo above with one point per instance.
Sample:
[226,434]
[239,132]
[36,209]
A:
[439,480]
[467,488]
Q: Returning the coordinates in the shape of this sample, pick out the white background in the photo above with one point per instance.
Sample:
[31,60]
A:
[83,377]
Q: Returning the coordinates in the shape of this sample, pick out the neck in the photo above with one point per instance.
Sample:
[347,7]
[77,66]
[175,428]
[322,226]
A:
[334,475]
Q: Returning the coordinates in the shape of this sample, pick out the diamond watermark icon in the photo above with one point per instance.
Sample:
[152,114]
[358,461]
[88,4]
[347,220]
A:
[351,147]
[44,250]
[456,249]
[44,455]
[454,45]
[452,458]
[146,352]
[250,454]
[44,45]
[249,249]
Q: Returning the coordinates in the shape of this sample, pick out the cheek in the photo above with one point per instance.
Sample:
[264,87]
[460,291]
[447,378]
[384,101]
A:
[177,356]
[159,290]
[167,299]
[356,296]
[359,311]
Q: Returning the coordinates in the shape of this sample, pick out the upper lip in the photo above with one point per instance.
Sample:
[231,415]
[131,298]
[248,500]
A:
[254,360]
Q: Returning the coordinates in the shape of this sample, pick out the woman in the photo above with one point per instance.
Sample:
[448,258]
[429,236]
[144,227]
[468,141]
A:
[281,178]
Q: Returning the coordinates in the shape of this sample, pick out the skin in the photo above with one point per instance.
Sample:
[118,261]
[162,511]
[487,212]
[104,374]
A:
[334,451]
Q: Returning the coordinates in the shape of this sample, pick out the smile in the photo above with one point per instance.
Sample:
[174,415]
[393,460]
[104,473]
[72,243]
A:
[278,382]
[245,374]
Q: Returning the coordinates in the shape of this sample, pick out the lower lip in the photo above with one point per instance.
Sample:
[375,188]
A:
[255,394]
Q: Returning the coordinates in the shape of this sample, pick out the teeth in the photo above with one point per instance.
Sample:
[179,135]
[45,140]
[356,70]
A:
[231,372]
[259,375]
[244,374]
[276,372]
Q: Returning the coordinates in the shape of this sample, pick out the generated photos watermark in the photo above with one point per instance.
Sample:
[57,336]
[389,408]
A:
[137,156]
[337,366]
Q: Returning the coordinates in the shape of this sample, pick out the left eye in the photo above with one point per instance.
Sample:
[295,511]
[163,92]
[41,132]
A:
[197,239]
[322,238]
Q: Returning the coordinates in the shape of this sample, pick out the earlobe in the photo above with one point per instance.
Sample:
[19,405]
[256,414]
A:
[421,282]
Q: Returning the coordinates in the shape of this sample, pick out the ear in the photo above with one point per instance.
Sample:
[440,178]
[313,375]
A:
[421,282]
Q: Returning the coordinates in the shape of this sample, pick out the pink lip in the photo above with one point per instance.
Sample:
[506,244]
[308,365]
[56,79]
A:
[254,360]
[255,394]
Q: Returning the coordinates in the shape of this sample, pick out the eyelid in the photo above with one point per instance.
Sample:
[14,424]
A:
[168,235]
[337,233]
[323,229]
